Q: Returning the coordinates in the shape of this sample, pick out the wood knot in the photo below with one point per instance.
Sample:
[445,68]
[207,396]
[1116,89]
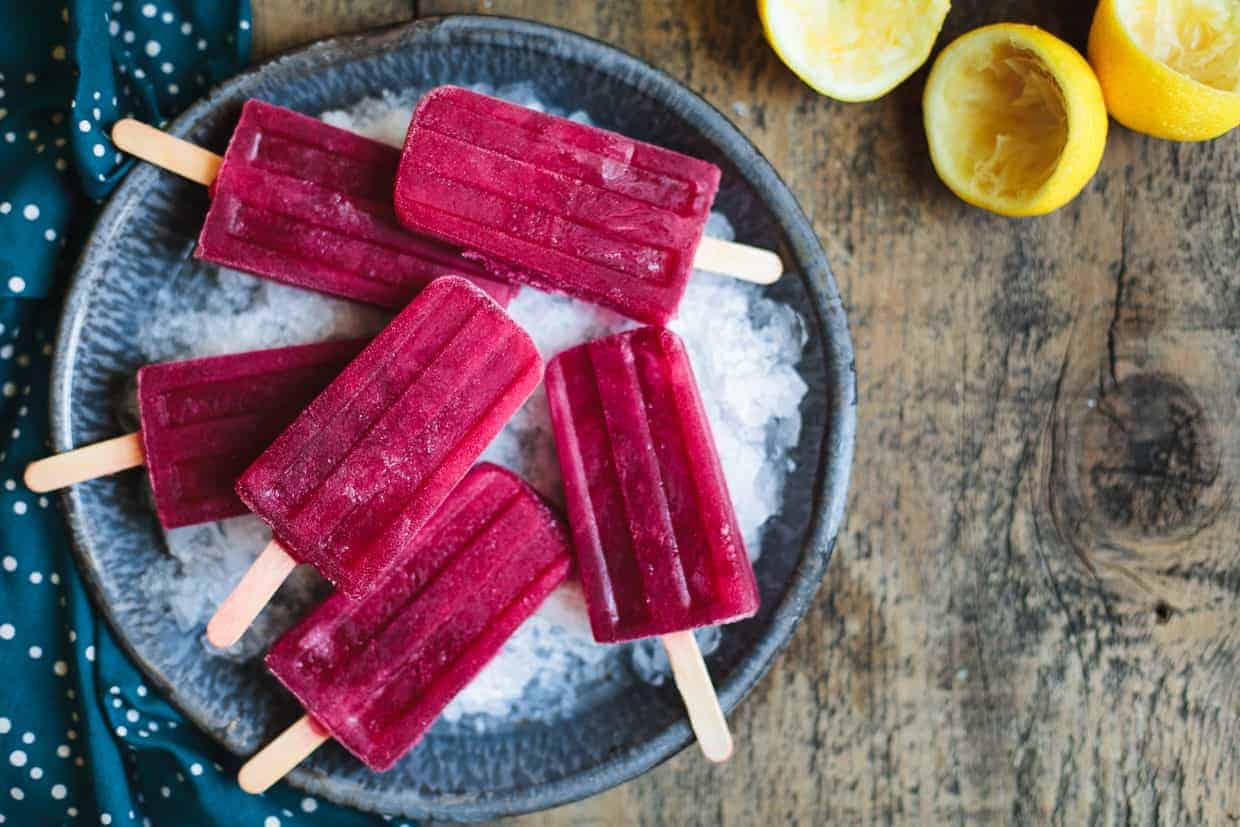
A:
[1148,459]
[1133,472]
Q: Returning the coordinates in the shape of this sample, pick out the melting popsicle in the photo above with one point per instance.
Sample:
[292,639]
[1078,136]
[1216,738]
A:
[203,422]
[562,206]
[375,673]
[301,202]
[363,468]
[657,541]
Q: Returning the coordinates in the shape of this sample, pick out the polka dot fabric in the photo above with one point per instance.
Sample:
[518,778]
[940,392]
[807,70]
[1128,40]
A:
[83,740]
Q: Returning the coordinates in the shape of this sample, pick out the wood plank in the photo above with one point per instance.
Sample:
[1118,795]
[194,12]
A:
[1030,617]
[280,25]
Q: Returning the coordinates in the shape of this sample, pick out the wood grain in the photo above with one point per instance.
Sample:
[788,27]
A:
[283,24]
[1031,615]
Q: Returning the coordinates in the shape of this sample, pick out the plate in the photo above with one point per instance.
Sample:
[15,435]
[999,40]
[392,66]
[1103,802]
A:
[145,236]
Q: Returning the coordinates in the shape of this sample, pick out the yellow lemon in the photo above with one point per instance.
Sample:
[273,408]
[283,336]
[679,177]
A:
[852,50]
[1169,68]
[1015,119]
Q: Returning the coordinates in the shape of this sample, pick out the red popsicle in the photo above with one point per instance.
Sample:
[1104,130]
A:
[375,673]
[656,536]
[203,422]
[363,468]
[563,206]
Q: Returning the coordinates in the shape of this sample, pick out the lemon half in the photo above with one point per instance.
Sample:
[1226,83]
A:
[1169,68]
[853,50]
[1015,119]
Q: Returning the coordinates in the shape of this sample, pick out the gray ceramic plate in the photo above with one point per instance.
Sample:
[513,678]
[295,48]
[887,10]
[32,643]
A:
[145,237]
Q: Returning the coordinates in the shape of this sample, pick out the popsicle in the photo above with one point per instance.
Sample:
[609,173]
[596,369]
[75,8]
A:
[375,673]
[363,468]
[301,202]
[565,207]
[658,546]
[203,422]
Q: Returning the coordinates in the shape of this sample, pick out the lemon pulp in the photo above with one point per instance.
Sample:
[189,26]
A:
[1197,38]
[1009,124]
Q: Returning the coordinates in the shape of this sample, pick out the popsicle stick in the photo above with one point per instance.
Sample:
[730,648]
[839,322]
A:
[163,150]
[87,463]
[693,681]
[277,759]
[740,261]
[254,592]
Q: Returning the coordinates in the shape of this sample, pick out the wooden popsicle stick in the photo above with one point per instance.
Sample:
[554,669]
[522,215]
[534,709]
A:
[249,597]
[740,261]
[693,681]
[277,759]
[163,150]
[87,463]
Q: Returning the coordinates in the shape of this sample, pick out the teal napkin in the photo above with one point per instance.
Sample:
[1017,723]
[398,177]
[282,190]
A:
[82,738]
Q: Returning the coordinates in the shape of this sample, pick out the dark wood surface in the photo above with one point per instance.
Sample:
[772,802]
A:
[1031,617]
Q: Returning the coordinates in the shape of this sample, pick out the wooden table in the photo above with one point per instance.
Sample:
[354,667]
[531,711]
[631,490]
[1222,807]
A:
[1032,614]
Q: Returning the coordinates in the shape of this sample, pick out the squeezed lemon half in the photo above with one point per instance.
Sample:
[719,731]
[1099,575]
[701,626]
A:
[1015,119]
[1169,68]
[853,50]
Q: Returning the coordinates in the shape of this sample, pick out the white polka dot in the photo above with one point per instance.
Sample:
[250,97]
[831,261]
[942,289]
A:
[36,577]
[71,734]
[166,17]
[152,48]
[186,28]
[5,726]
[245,25]
[72,812]
[59,791]
[19,508]
[116,703]
[7,631]
[6,207]
[31,77]
[10,485]
[121,731]
[139,74]
[114,690]
[166,68]
[202,45]
[165,792]
[148,10]
[79,761]
[132,716]
[30,212]
[90,653]
[141,691]
[17,758]
[55,578]
[35,652]
[128,37]
[84,125]
[309,805]
[105,818]
[62,164]
[117,6]
[17,793]
[58,53]
[62,751]
[97,113]
[6,352]
[32,135]
[152,726]
[23,360]
[271,821]
[98,150]
[114,28]
[36,773]
[10,137]
[16,432]
[17,284]
[173,89]
[72,636]
[60,668]
[195,768]
[27,737]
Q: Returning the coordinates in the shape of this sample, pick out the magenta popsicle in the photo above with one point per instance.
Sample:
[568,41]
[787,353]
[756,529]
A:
[555,204]
[377,672]
[305,203]
[205,420]
[363,468]
[657,540]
